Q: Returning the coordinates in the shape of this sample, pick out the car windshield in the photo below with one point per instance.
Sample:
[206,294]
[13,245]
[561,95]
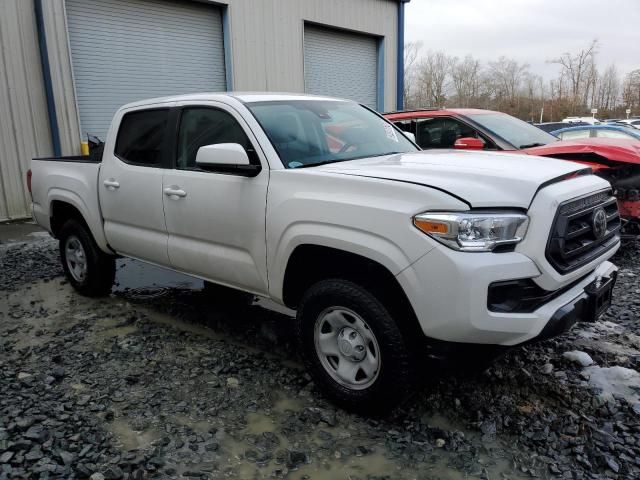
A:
[307,133]
[518,133]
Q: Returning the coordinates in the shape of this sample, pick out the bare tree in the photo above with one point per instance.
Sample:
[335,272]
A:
[505,76]
[435,78]
[465,75]
[608,89]
[433,74]
[411,53]
[578,68]
[631,90]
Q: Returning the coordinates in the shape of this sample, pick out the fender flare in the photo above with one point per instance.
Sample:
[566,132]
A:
[93,222]
[366,244]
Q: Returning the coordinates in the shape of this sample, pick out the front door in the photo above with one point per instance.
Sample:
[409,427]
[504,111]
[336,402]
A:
[130,186]
[216,223]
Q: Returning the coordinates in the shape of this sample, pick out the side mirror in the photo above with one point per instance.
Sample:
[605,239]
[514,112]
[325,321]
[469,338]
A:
[468,143]
[410,136]
[226,158]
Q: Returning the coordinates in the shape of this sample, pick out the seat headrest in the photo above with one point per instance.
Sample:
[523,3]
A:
[284,128]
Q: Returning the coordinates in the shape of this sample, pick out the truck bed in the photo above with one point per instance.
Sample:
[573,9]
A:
[71,158]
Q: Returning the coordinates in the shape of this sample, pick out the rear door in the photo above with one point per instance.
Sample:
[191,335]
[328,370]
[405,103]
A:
[130,184]
[216,224]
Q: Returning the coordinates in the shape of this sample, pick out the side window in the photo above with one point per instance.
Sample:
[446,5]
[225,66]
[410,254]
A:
[406,125]
[442,132]
[200,126]
[612,134]
[141,137]
[575,135]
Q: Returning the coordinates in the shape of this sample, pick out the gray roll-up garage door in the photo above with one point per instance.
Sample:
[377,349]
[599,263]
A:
[128,50]
[341,64]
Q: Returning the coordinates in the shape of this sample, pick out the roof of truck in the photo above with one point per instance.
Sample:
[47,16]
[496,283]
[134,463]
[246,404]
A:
[245,97]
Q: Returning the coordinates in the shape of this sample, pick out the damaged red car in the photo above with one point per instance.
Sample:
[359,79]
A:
[616,160]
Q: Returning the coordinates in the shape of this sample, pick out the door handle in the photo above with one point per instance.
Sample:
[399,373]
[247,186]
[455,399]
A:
[111,184]
[175,192]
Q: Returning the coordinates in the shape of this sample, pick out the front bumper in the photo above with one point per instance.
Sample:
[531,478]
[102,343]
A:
[583,308]
[448,291]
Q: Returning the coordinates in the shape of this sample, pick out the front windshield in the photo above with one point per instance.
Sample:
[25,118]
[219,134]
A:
[306,133]
[518,133]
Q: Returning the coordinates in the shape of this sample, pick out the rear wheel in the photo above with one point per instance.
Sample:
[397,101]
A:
[88,269]
[354,349]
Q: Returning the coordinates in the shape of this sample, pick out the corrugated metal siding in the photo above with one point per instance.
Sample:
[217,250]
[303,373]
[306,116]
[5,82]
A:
[55,25]
[24,130]
[342,64]
[127,50]
[267,39]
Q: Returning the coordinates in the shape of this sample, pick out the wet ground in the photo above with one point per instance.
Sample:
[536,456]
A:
[162,380]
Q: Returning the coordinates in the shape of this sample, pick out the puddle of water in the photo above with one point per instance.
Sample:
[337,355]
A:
[130,439]
[45,309]
[198,426]
[117,332]
[170,321]
[143,277]
[284,404]
[258,423]
[359,467]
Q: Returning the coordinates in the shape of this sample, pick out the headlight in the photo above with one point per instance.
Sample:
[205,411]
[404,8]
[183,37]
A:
[473,232]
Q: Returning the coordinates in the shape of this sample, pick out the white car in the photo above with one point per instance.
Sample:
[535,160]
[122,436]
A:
[388,254]
[633,122]
[589,120]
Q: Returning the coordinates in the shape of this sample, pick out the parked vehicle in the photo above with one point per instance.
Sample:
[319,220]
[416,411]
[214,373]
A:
[589,120]
[551,126]
[634,122]
[473,129]
[389,255]
[597,131]
[615,160]
[469,128]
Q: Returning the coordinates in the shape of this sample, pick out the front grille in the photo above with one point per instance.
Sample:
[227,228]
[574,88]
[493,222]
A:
[575,238]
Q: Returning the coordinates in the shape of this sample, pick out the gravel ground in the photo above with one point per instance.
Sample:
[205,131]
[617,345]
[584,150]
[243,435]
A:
[160,381]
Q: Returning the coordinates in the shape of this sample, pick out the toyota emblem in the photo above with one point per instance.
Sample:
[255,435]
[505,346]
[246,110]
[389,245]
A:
[599,223]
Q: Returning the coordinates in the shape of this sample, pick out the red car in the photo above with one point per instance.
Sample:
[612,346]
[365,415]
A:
[616,160]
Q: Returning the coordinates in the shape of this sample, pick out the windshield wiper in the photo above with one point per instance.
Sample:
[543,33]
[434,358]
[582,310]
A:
[531,145]
[326,162]
[317,164]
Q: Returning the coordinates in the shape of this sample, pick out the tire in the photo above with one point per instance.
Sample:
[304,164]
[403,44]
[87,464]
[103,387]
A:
[90,270]
[386,374]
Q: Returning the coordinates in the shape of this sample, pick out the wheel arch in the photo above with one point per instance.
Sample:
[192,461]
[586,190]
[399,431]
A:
[65,205]
[310,263]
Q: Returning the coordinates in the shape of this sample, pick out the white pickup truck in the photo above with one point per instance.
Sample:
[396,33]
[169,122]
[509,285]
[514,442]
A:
[387,253]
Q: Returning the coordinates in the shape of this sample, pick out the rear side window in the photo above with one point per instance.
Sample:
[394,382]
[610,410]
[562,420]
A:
[141,137]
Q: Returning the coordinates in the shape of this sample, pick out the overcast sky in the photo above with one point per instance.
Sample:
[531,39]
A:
[531,31]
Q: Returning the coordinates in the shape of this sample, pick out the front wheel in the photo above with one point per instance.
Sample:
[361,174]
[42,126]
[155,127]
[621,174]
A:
[88,269]
[354,349]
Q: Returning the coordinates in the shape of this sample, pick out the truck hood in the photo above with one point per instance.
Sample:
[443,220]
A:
[481,179]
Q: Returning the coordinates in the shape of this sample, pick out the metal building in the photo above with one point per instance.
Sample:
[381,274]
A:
[67,65]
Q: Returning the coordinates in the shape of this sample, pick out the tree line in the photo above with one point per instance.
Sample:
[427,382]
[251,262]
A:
[436,79]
